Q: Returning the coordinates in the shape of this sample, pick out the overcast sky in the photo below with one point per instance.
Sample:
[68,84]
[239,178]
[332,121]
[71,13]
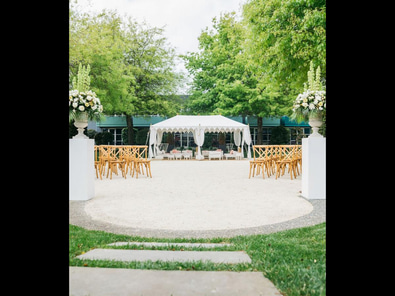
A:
[184,20]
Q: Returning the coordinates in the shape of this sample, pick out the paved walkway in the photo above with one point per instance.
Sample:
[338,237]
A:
[135,282]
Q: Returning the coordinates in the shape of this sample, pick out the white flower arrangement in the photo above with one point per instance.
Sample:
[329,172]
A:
[80,102]
[83,101]
[312,102]
[309,103]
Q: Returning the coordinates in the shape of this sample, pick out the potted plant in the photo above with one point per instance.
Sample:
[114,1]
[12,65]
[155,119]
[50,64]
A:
[311,104]
[83,103]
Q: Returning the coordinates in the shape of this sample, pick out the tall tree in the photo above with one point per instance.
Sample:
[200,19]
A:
[98,40]
[283,37]
[151,61]
[132,66]
[224,79]
[221,81]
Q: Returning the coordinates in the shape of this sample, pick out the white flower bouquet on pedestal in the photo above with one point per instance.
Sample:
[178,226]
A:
[84,105]
[311,104]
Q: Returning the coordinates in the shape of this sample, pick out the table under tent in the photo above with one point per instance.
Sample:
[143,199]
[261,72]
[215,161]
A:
[199,125]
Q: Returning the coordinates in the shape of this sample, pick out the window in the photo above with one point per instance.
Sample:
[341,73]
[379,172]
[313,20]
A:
[266,134]
[297,133]
[117,133]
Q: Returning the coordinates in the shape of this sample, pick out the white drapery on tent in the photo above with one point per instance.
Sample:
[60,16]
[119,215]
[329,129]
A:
[198,125]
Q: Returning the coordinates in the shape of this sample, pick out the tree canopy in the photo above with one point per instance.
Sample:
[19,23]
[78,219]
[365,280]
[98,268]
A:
[132,65]
[257,65]
[254,64]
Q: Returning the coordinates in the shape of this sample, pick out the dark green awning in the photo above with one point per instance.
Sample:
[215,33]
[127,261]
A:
[266,121]
[138,121]
[285,121]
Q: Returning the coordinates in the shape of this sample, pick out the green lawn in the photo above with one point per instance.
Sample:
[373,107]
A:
[294,260]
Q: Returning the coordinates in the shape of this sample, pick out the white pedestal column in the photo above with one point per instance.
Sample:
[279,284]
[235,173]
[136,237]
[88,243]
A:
[314,168]
[81,169]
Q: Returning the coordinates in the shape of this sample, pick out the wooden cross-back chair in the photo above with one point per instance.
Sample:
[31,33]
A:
[271,156]
[113,155]
[129,154]
[299,158]
[260,161]
[97,162]
[286,158]
[141,160]
[103,159]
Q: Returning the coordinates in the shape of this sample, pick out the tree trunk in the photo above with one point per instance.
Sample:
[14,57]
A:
[259,138]
[129,122]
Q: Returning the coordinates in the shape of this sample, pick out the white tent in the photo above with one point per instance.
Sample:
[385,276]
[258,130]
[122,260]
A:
[198,125]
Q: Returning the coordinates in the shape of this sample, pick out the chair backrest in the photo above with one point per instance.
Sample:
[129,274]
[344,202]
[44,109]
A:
[260,151]
[272,151]
[141,151]
[104,152]
[114,152]
[288,152]
[111,152]
[128,152]
[298,151]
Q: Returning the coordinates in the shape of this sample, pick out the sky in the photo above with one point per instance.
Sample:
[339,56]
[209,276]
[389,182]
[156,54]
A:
[183,20]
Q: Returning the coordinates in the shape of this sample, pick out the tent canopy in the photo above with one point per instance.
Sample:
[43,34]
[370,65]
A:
[198,124]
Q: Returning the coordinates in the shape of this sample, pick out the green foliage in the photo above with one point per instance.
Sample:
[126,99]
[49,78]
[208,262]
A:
[98,139]
[82,81]
[280,135]
[91,133]
[72,129]
[313,81]
[256,66]
[222,82]
[169,138]
[140,136]
[282,38]
[132,67]
[107,138]
[221,138]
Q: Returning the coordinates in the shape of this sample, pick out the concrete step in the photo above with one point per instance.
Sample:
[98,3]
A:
[134,282]
[155,255]
[186,245]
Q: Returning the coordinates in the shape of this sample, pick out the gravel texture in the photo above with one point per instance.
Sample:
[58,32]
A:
[197,199]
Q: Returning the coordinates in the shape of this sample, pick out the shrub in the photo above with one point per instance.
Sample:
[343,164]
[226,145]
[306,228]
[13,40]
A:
[107,138]
[280,136]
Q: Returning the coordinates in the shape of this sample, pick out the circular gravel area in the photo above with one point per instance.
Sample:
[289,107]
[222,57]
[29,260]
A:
[191,198]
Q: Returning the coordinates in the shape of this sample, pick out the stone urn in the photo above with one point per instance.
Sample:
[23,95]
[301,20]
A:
[315,121]
[81,122]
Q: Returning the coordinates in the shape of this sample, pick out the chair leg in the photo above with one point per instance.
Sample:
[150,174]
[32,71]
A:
[149,167]
[262,164]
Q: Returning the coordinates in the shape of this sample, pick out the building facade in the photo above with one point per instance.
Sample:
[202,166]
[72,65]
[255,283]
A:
[115,125]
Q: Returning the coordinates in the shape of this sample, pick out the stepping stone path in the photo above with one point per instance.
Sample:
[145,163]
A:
[155,255]
[117,281]
[186,245]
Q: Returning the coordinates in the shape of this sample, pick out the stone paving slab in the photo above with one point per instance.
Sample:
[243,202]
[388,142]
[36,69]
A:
[155,255]
[187,245]
[133,282]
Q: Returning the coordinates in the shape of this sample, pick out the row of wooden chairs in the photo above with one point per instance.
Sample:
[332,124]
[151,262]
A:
[274,159]
[123,158]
